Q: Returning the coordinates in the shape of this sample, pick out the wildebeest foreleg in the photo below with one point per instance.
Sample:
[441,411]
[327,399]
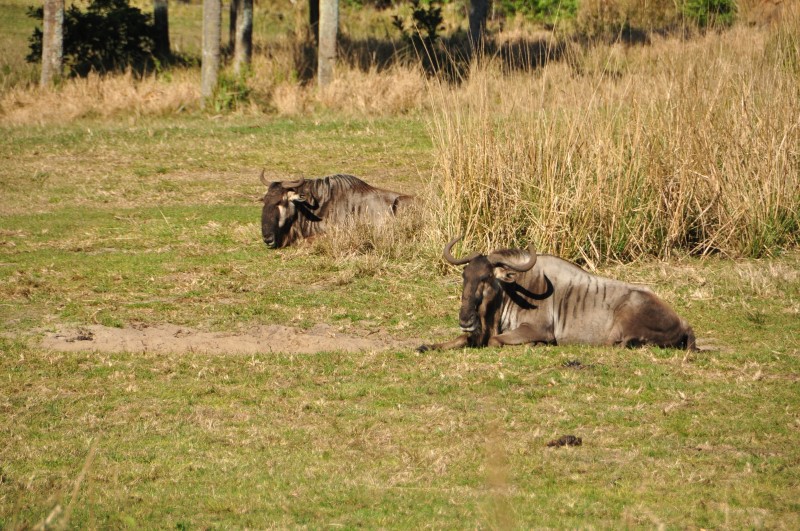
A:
[525,333]
[459,342]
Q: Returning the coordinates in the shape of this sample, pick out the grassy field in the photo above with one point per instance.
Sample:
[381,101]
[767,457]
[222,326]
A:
[144,215]
[92,231]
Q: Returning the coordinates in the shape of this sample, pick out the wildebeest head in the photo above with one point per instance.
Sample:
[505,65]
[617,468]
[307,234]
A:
[282,204]
[482,289]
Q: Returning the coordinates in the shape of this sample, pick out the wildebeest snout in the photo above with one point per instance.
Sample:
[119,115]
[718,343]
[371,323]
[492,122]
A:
[468,327]
[467,320]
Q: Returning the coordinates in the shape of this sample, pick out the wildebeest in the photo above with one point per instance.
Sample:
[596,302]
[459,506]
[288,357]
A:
[512,297]
[299,209]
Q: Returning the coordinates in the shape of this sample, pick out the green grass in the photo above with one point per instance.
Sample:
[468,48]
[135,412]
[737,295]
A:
[17,28]
[93,230]
[182,261]
[145,221]
[101,163]
[403,440]
[375,439]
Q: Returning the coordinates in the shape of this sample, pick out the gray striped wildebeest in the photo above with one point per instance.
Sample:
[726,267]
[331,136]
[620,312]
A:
[512,297]
[303,208]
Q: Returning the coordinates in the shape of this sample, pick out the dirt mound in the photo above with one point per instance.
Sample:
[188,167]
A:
[259,339]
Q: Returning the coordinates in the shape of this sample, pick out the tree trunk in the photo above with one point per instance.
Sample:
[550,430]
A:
[212,29]
[235,8]
[52,41]
[243,50]
[328,29]
[313,19]
[161,27]
[478,12]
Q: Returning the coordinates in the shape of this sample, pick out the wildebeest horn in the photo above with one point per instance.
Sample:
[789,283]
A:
[262,179]
[503,260]
[456,261]
[293,184]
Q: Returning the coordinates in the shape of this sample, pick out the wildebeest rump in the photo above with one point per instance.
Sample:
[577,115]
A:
[299,209]
[511,297]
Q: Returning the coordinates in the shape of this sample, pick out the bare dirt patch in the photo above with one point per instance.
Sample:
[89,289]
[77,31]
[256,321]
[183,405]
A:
[259,339]
[170,338]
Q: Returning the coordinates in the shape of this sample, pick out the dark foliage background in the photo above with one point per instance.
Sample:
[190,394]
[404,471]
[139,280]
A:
[109,35]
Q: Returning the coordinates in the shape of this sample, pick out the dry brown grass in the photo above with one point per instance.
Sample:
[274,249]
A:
[606,17]
[607,151]
[622,152]
[392,92]
[396,91]
[101,96]
[394,239]
[279,80]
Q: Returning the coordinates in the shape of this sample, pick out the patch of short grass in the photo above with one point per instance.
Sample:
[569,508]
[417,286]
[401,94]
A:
[189,265]
[401,439]
[94,232]
[155,221]
[101,163]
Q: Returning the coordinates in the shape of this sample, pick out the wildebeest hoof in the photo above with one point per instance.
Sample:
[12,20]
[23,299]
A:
[423,348]
[566,440]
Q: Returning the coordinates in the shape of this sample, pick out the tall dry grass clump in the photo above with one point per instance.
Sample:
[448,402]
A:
[100,96]
[625,152]
[394,239]
[272,86]
[392,92]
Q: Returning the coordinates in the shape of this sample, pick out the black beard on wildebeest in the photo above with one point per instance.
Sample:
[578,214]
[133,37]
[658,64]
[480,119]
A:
[303,208]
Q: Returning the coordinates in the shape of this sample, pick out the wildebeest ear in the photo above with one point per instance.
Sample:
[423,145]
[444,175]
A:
[302,198]
[504,274]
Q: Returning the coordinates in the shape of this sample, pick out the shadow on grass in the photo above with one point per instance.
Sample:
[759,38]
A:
[447,58]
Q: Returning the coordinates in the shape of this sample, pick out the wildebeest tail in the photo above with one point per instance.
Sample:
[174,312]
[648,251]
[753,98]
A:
[688,342]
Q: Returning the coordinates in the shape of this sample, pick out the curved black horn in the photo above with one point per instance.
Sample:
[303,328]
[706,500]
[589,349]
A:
[262,179]
[456,261]
[494,259]
[293,184]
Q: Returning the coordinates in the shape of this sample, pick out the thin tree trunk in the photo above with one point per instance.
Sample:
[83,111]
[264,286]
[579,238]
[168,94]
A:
[235,8]
[313,19]
[161,27]
[328,29]
[52,41]
[212,29]
[478,13]
[244,38]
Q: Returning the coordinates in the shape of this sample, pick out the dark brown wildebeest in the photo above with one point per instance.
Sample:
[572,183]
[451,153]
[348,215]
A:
[512,297]
[299,209]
